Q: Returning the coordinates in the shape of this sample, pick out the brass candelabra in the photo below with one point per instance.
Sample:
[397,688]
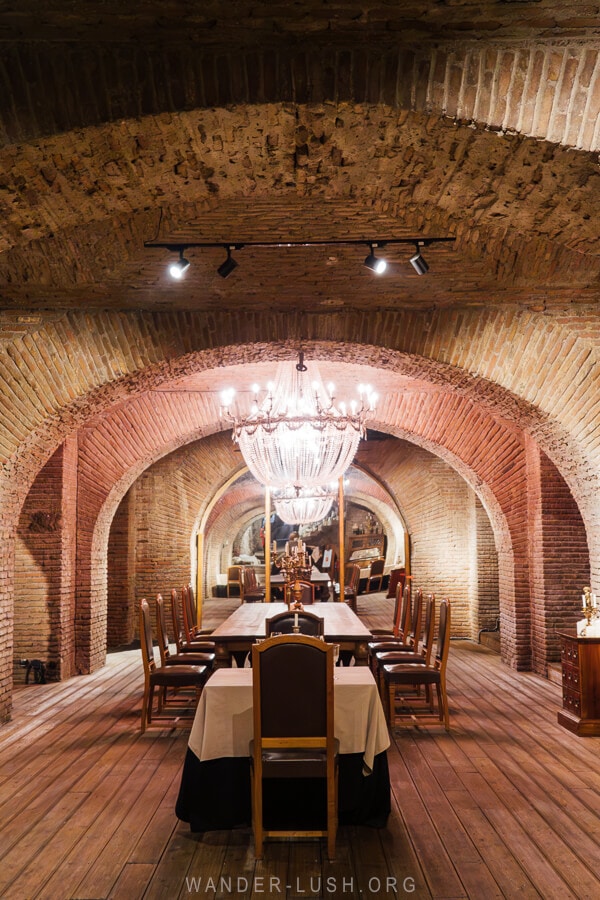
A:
[294,564]
[590,607]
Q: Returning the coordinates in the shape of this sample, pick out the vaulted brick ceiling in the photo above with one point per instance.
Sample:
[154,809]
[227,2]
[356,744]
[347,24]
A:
[381,116]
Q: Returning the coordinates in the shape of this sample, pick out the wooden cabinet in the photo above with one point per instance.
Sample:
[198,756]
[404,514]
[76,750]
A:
[362,549]
[580,657]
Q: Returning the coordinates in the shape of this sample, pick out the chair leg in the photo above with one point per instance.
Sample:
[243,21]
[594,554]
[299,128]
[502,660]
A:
[150,704]
[257,816]
[391,704]
[144,708]
[444,697]
[332,814]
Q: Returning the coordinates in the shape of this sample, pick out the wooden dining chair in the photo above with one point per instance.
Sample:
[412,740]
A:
[235,581]
[176,659]
[164,677]
[292,690]
[402,622]
[420,654]
[180,634]
[252,592]
[375,579]
[307,593]
[408,631]
[398,619]
[352,580]
[190,600]
[308,623]
[190,629]
[413,675]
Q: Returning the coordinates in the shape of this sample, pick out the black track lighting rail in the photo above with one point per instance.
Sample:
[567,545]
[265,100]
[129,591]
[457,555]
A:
[377,264]
[380,243]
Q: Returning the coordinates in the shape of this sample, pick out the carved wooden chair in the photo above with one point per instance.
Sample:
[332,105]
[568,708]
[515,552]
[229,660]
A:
[293,733]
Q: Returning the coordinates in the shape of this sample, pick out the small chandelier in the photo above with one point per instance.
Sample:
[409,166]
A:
[302,506]
[294,433]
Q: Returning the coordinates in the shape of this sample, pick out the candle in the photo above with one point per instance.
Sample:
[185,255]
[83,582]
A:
[287,548]
[274,546]
[295,620]
[583,600]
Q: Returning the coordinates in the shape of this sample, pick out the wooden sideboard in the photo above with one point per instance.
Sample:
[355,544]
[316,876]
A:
[580,657]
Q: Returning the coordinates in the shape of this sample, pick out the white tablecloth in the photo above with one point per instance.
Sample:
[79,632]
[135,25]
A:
[223,722]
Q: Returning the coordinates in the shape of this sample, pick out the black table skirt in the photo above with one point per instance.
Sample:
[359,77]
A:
[215,794]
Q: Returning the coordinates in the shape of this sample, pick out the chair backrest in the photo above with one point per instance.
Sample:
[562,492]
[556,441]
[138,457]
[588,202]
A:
[416,617]
[443,641]
[249,578]
[187,615]
[178,631]
[308,623]
[161,628]
[377,567]
[352,577]
[191,599]
[292,687]
[402,624]
[428,628]
[146,639]
[234,574]
[307,595]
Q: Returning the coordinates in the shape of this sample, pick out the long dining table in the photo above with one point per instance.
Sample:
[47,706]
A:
[215,784]
[235,636]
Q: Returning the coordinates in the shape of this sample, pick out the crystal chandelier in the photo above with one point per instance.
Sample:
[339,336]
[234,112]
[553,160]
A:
[301,506]
[294,433]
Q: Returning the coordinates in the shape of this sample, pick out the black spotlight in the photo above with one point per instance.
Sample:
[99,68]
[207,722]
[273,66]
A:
[374,263]
[418,263]
[178,268]
[227,267]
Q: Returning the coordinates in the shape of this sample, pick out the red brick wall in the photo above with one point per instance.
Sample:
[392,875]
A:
[45,556]
[121,624]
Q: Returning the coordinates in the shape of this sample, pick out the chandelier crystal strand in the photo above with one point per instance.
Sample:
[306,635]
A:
[303,507]
[294,433]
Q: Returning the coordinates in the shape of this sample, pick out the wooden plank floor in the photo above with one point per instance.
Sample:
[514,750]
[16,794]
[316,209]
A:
[506,805]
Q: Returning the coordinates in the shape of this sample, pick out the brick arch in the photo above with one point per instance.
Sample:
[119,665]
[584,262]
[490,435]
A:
[530,87]
[165,418]
[417,363]
[449,351]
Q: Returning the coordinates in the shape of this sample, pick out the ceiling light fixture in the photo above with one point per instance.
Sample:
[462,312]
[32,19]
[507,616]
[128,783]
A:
[376,264]
[301,506]
[294,433]
[178,268]
[227,267]
[417,262]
